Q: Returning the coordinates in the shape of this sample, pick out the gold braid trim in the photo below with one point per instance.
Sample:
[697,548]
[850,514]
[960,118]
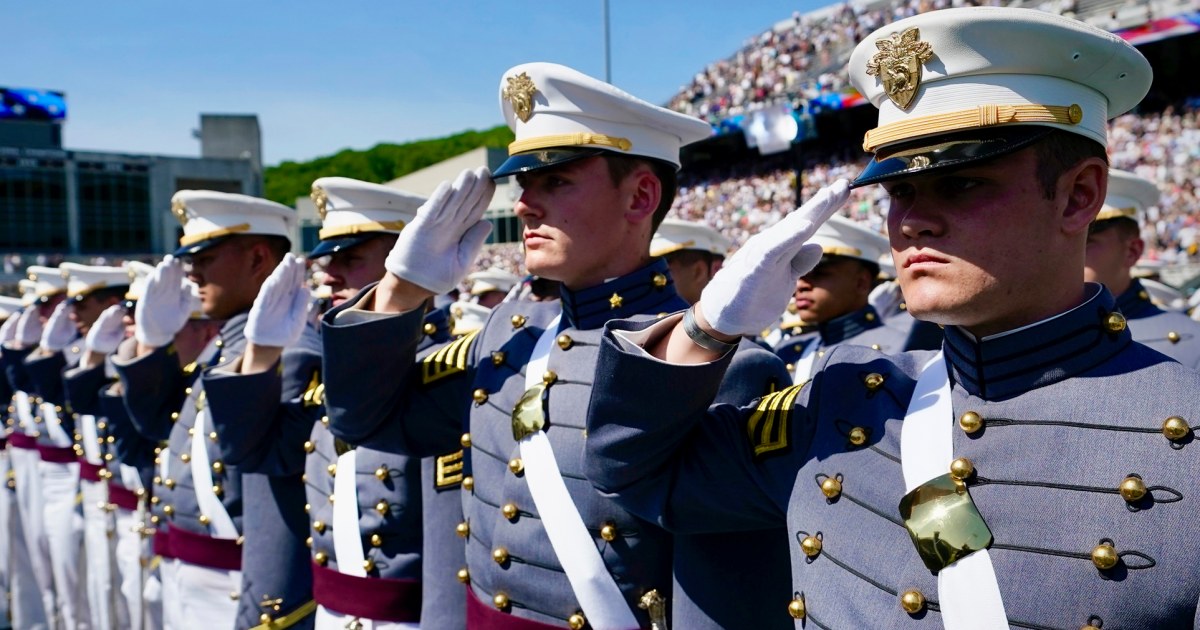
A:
[360,228]
[448,361]
[977,118]
[568,140]
[290,619]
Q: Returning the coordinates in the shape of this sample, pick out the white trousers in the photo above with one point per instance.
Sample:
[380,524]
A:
[205,596]
[62,519]
[132,556]
[328,620]
[99,534]
[34,552]
[165,590]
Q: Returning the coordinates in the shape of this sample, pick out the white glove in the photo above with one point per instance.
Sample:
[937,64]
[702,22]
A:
[29,327]
[107,332]
[165,306]
[436,249]
[753,286]
[60,330]
[886,298]
[280,309]
[8,330]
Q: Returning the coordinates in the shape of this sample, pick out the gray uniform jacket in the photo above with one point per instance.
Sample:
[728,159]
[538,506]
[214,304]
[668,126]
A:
[1170,332]
[464,395]
[46,373]
[1063,420]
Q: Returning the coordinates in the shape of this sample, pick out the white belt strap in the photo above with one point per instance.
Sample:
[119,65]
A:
[54,429]
[130,477]
[347,540]
[220,523]
[804,364]
[25,413]
[91,439]
[967,589]
[599,596]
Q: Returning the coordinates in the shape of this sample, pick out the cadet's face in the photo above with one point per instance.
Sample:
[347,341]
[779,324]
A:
[46,309]
[350,270]
[84,312]
[220,272]
[1110,254]
[571,215]
[835,287]
[691,274]
[973,245]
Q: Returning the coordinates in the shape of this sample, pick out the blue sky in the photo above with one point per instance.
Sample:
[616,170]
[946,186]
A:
[323,76]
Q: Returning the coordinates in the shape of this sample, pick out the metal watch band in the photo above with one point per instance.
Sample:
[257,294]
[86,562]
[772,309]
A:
[701,338]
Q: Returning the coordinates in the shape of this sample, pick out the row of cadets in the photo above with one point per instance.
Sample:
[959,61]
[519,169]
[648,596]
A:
[726,579]
[1028,475]
[1114,248]
[10,547]
[234,515]
[45,289]
[542,549]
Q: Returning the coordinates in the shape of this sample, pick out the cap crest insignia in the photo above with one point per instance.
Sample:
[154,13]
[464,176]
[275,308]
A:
[320,200]
[519,92]
[179,209]
[898,64]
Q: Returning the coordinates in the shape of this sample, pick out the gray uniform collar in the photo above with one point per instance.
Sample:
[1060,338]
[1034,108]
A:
[1042,354]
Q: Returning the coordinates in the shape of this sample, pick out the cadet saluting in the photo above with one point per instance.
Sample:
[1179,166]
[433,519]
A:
[1020,477]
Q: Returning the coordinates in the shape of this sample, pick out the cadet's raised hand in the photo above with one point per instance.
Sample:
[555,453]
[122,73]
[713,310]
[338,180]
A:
[436,249]
[60,330]
[29,327]
[165,306]
[8,330]
[107,332]
[280,310]
[753,286]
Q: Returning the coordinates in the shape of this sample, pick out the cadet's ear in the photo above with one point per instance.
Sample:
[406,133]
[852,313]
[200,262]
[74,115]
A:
[1081,191]
[645,191]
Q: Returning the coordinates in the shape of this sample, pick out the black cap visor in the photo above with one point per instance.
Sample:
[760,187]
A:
[534,160]
[341,243]
[199,246]
[947,151]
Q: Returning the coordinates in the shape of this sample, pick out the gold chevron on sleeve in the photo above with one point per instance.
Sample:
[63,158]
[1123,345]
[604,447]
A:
[314,394]
[448,361]
[768,426]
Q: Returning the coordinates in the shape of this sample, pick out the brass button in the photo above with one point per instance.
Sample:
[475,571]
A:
[465,440]
[204,520]
[308,542]
[321,558]
[185,458]
[468,483]
[500,555]
[876,347]
[1132,488]
[381,473]
[218,467]
[509,510]
[319,526]
[368,565]
[464,575]
[577,621]
[811,546]
[516,466]
[332,498]
[858,436]
[1173,337]
[869,317]
[608,532]
[463,529]
[1114,323]
[517,321]
[500,601]
[961,469]
[169,483]
[376,540]
[797,609]
[383,507]
[191,433]
[307,508]
[480,396]
[659,280]
[498,358]
[309,446]
[217,490]
[332,470]
[429,329]
[970,422]
[325,420]
[1175,428]
[264,619]
[154,500]
[564,341]
[873,381]
[549,377]
[168,510]
[912,601]
[187,391]
[1104,556]
[831,487]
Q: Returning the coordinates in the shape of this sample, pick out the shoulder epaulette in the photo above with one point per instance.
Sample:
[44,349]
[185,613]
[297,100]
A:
[768,426]
[448,361]
[314,394]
